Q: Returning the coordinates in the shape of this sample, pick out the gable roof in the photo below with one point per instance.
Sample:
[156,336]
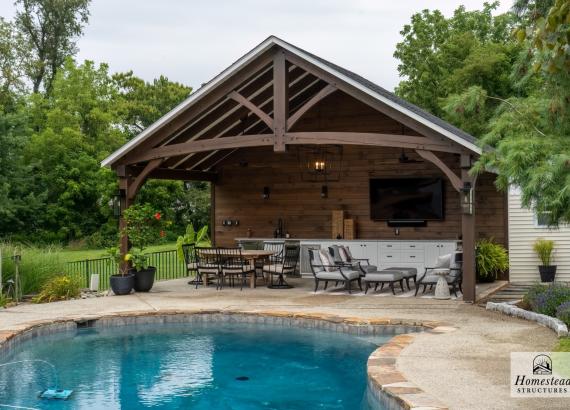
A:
[381,94]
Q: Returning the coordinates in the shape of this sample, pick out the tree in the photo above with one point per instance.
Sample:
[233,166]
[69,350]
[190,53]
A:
[50,29]
[12,51]
[439,55]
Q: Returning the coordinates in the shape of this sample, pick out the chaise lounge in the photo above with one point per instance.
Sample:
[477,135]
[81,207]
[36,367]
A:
[325,270]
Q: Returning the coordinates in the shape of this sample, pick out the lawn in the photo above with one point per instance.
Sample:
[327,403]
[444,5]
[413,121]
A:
[563,345]
[72,255]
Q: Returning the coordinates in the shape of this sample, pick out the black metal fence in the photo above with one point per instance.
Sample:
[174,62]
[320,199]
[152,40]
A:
[167,264]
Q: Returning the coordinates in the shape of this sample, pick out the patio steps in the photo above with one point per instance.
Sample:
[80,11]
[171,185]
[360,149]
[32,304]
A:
[510,293]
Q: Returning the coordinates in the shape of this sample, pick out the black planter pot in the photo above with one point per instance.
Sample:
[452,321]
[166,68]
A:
[122,285]
[144,279]
[547,273]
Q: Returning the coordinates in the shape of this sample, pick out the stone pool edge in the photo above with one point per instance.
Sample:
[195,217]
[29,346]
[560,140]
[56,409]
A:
[386,384]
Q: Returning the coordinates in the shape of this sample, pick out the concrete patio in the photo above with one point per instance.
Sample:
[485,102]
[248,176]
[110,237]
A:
[467,368]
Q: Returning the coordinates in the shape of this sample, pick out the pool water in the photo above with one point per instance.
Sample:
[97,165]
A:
[193,366]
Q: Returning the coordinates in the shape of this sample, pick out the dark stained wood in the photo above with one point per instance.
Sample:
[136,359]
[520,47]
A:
[307,215]
[367,99]
[434,159]
[280,100]
[309,104]
[468,241]
[234,95]
[178,174]
[141,177]
[368,139]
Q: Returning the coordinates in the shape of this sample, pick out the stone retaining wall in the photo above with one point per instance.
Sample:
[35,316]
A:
[548,321]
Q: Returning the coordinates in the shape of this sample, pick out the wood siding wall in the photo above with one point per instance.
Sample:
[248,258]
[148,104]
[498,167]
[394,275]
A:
[523,231]
[238,194]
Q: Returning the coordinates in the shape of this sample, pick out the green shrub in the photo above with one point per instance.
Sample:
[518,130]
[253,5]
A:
[61,287]
[492,259]
[544,248]
[37,266]
[546,299]
[563,312]
[4,300]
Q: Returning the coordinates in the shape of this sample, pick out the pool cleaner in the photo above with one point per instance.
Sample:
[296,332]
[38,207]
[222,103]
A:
[51,393]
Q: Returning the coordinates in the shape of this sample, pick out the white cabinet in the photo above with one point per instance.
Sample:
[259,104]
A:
[365,250]
[435,249]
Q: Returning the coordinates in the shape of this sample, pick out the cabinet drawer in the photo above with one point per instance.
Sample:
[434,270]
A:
[390,256]
[412,246]
[412,256]
[389,246]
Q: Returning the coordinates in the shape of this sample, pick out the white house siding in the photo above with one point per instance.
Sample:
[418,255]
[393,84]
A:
[523,231]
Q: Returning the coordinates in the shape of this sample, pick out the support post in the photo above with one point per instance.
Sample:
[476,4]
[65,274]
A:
[125,203]
[213,213]
[280,100]
[468,236]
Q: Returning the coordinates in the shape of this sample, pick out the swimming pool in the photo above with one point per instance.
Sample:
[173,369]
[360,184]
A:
[194,365]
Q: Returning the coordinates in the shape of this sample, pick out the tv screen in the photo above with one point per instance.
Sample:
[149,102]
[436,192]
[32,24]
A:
[406,199]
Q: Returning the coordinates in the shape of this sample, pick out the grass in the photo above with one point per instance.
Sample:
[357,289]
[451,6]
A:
[563,345]
[40,264]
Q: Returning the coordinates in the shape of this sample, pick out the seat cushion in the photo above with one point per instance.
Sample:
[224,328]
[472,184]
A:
[430,278]
[192,266]
[274,268]
[407,272]
[336,275]
[384,276]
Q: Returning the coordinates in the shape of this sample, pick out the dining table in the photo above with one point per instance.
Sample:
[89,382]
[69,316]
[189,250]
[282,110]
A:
[252,255]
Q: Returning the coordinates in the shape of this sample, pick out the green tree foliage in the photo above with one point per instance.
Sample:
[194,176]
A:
[439,56]
[50,29]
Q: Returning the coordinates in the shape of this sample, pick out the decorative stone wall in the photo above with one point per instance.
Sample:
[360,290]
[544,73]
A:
[547,321]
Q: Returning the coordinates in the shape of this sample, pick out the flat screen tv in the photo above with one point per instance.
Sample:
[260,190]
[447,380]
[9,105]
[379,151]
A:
[405,199]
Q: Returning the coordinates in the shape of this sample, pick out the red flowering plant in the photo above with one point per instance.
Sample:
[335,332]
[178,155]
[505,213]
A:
[144,226]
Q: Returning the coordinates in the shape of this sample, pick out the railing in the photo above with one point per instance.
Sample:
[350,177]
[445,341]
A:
[167,265]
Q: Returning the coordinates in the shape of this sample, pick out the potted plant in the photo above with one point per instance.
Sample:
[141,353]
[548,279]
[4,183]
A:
[142,226]
[544,248]
[492,259]
[122,282]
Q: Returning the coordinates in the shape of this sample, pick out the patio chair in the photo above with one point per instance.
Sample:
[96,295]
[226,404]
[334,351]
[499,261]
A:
[207,265]
[383,277]
[287,267]
[325,270]
[452,262]
[234,266]
[343,257]
[189,254]
[278,248]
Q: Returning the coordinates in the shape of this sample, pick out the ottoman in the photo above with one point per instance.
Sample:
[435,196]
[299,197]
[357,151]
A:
[409,273]
[382,277]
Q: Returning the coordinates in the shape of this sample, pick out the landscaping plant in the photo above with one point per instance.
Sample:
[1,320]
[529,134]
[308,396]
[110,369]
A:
[192,237]
[544,248]
[563,312]
[61,287]
[143,226]
[545,299]
[492,259]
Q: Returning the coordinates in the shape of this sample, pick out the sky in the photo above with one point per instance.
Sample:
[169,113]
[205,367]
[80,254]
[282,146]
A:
[191,41]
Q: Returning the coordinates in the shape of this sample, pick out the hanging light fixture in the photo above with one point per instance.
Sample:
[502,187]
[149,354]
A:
[321,163]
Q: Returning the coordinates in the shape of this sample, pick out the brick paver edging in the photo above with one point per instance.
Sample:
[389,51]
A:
[385,382]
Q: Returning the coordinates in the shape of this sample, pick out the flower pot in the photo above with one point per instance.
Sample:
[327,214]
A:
[122,284]
[144,279]
[547,273]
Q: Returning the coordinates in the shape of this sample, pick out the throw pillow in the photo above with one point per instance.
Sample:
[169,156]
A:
[443,262]
[327,260]
[343,254]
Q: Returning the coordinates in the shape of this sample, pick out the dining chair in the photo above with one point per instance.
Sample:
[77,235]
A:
[207,264]
[287,266]
[234,266]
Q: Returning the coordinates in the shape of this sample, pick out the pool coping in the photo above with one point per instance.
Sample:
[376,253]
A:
[385,382]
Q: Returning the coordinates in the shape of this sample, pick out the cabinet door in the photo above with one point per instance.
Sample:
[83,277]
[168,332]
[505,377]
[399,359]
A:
[431,252]
[370,252]
[447,247]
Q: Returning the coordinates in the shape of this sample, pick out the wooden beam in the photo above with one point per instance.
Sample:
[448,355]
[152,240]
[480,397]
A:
[367,139]
[178,174]
[240,141]
[280,100]
[140,178]
[234,95]
[468,241]
[434,159]
[373,102]
[314,100]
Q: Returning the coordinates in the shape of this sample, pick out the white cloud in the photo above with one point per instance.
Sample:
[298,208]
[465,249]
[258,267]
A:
[192,41]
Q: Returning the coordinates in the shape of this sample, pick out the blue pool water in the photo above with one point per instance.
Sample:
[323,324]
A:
[193,366]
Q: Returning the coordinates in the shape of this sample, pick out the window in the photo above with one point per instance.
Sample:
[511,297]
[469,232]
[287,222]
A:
[541,219]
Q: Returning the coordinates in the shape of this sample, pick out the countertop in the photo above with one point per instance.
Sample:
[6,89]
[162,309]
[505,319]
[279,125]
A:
[344,240]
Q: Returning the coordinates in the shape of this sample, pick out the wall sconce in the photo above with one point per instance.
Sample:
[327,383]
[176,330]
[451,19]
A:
[265,194]
[115,204]
[319,166]
[324,191]
[466,193]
